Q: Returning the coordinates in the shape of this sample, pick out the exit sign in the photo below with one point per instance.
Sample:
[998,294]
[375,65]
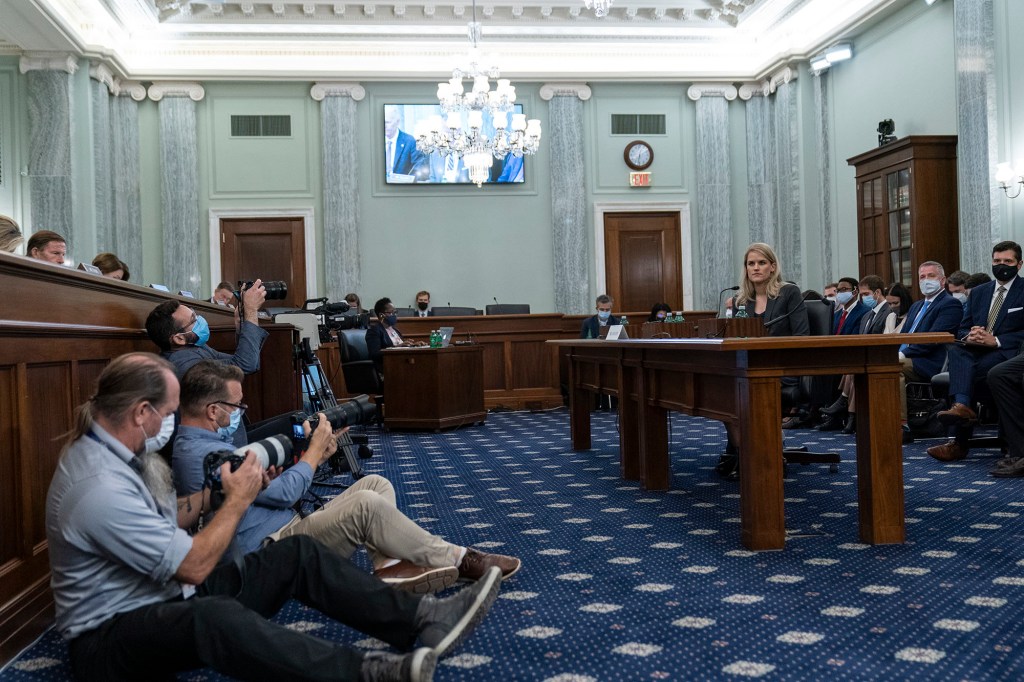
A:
[640,179]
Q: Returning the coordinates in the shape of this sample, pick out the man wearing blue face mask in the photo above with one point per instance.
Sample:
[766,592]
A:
[182,334]
[591,328]
[846,319]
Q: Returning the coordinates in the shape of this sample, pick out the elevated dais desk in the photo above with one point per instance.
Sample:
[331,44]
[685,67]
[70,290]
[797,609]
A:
[737,381]
[433,388]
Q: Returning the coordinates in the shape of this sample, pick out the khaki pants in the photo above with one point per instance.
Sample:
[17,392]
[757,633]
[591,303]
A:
[365,514]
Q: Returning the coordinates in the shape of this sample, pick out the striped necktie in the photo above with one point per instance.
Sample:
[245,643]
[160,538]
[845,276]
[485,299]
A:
[993,312]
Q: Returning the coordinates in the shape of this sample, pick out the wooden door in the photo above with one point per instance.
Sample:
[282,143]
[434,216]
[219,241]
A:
[643,261]
[268,249]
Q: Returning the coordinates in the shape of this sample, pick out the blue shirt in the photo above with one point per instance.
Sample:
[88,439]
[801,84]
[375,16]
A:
[113,548]
[272,509]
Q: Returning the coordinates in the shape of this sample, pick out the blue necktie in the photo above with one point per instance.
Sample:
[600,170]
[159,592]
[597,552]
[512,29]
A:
[917,321]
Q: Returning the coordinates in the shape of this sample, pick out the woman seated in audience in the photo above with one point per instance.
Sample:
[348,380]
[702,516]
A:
[10,235]
[899,300]
[765,294]
[111,266]
[659,312]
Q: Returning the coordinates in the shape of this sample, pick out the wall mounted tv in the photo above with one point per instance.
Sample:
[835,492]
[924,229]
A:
[404,164]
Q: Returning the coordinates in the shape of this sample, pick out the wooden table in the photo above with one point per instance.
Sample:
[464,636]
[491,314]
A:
[737,381]
[433,388]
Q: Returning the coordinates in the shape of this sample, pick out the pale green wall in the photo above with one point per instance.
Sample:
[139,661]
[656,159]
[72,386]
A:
[903,70]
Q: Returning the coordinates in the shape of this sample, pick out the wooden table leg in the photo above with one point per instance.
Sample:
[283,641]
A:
[652,429]
[579,409]
[879,458]
[630,401]
[762,517]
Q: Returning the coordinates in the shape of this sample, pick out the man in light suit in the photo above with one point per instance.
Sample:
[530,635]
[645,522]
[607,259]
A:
[400,154]
[991,332]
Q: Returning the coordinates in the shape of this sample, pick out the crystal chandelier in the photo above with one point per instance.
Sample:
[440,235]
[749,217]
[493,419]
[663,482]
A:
[600,7]
[464,131]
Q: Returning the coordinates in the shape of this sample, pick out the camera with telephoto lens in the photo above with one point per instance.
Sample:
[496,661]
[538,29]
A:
[277,450]
[276,290]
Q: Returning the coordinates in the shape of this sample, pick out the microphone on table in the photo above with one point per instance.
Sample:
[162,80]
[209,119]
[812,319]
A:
[735,288]
[768,324]
[495,299]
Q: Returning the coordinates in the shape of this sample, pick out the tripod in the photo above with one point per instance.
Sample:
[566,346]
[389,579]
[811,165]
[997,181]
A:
[318,396]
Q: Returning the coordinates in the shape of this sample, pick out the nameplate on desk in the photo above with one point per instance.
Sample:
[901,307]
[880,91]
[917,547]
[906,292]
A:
[615,332]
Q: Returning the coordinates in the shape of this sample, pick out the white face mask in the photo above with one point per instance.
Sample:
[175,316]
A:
[163,435]
[844,297]
[960,296]
[929,286]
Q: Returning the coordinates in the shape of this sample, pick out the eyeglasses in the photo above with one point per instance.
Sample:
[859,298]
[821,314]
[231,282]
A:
[240,406]
[849,290]
[190,323]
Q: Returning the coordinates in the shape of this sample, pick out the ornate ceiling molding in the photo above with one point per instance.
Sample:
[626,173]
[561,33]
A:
[698,90]
[37,61]
[549,90]
[98,71]
[133,89]
[322,89]
[754,88]
[194,91]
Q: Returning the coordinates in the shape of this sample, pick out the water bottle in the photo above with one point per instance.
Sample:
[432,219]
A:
[679,317]
[728,313]
[624,321]
[741,311]
[433,338]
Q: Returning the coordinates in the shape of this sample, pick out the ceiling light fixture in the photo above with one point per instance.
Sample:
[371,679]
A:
[839,52]
[464,131]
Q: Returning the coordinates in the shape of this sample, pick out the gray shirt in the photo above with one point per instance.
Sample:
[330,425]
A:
[113,548]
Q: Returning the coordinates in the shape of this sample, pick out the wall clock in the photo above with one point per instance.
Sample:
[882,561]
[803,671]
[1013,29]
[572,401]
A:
[638,155]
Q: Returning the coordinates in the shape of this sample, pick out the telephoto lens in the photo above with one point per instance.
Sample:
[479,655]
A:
[277,290]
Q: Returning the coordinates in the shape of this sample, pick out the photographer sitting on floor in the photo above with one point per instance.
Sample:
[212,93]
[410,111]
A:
[181,334]
[403,554]
[138,598]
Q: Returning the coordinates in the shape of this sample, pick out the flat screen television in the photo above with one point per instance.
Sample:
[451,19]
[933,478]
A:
[411,166]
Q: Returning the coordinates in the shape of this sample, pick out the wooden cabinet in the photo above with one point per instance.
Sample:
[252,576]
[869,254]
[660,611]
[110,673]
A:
[907,208]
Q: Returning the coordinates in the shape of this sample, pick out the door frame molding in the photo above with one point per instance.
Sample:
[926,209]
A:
[685,239]
[308,230]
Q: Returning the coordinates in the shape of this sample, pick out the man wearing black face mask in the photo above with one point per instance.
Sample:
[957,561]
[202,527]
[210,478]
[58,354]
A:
[991,330]
[423,304]
[182,334]
[385,334]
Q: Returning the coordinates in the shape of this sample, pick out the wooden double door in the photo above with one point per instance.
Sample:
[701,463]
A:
[643,259]
[271,249]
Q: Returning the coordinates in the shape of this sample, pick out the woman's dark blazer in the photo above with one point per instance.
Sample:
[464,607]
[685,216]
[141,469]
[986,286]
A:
[789,299]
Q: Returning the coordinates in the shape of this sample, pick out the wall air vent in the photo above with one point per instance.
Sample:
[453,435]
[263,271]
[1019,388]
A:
[638,124]
[261,126]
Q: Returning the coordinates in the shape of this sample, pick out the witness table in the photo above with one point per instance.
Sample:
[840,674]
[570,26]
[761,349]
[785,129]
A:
[737,381]
[433,388]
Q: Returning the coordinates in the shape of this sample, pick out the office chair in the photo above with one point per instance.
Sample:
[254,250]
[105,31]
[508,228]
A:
[454,311]
[508,309]
[986,413]
[816,390]
[405,312]
[357,368]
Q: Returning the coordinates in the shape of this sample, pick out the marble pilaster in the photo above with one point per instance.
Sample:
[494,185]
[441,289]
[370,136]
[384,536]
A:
[977,149]
[714,206]
[101,162]
[568,207]
[823,143]
[126,207]
[179,182]
[342,273]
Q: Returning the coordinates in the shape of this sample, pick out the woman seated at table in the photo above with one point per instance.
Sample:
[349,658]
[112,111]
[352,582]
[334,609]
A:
[764,294]
[659,311]
[385,334]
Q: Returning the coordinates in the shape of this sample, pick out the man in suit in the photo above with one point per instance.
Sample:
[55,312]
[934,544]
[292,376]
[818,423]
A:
[449,169]
[872,297]
[423,304]
[400,153]
[846,319]
[591,328]
[991,332]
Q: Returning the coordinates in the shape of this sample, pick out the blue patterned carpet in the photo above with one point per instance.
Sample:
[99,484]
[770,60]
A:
[623,584]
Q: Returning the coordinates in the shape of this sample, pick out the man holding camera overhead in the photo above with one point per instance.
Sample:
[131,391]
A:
[403,554]
[182,334]
[138,598]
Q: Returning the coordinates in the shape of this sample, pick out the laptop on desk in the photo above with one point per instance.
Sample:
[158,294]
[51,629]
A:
[446,335]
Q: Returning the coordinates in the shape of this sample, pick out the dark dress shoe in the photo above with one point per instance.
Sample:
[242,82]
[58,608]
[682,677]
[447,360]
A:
[950,451]
[841,405]
[958,415]
[1009,468]
[851,424]
[908,437]
[833,423]
[794,422]
[728,467]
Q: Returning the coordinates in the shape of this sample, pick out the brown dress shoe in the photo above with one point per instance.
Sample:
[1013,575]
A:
[476,563]
[409,577]
[958,415]
[948,452]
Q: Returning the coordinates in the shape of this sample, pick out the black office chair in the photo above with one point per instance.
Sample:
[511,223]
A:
[357,368]
[813,390]
[987,415]
[509,309]
[454,311]
[405,312]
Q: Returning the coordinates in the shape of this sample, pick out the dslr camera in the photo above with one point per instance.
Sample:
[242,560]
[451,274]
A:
[277,290]
[282,449]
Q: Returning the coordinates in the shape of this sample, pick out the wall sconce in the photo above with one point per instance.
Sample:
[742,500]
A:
[839,52]
[1007,177]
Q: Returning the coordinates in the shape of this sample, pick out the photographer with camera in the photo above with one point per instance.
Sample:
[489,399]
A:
[403,554]
[181,334]
[138,598]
